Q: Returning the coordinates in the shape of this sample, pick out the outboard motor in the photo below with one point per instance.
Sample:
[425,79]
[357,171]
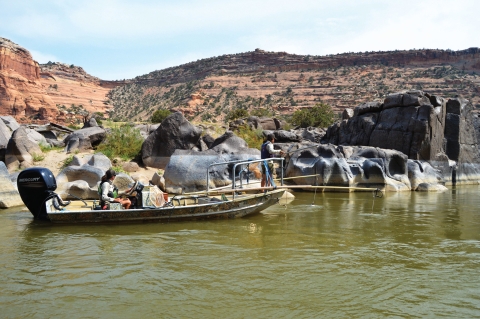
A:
[36,186]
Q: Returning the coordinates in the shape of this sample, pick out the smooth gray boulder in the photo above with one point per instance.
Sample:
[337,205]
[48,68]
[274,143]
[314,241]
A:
[423,177]
[187,170]
[5,135]
[255,122]
[10,121]
[9,196]
[89,174]
[158,180]
[83,174]
[175,132]
[92,122]
[146,129]
[282,136]
[97,160]
[359,166]
[84,139]
[20,150]
[36,137]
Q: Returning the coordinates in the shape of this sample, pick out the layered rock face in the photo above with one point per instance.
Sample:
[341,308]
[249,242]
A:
[422,126]
[21,93]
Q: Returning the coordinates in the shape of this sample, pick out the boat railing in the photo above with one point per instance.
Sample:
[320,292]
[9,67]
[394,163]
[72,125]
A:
[247,163]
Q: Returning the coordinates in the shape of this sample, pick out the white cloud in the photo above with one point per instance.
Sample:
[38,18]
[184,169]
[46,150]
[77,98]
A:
[133,35]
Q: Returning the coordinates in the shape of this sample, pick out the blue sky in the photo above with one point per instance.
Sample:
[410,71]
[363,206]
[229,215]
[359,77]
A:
[117,39]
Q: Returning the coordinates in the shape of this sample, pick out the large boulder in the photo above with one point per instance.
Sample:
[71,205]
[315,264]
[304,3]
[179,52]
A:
[187,170]
[10,122]
[82,180]
[36,137]
[84,139]
[9,196]
[146,129]
[5,135]
[255,122]
[92,122]
[20,150]
[175,132]
[82,176]
[423,177]
[357,166]
[97,160]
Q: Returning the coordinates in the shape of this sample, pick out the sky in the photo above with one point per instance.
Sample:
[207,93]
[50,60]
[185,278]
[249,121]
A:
[121,39]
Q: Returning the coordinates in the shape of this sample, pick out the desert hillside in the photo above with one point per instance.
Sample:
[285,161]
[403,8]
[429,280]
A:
[73,90]
[280,83]
[273,83]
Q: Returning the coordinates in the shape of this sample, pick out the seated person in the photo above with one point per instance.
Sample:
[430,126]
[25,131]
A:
[109,193]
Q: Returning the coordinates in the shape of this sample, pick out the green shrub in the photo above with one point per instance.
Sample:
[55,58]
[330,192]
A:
[254,138]
[261,112]
[38,157]
[236,114]
[67,161]
[321,115]
[159,115]
[124,142]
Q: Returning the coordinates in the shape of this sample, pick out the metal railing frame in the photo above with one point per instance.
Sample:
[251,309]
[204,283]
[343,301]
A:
[243,162]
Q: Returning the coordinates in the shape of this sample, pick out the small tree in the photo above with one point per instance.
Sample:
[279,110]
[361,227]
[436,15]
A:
[236,114]
[321,115]
[159,115]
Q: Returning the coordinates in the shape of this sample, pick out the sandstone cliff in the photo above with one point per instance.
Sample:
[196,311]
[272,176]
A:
[52,92]
[21,93]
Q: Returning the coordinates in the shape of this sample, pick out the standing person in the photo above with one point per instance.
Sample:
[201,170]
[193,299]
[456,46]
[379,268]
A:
[109,193]
[267,151]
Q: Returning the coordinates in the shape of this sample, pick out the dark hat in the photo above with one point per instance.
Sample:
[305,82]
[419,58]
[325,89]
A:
[110,173]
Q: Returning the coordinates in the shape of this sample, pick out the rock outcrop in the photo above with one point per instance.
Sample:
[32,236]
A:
[175,132]
[84,139]
[422,126]
[21,93]
[360,166]
[81,178]
[255,122]
[187,170]
[20,150]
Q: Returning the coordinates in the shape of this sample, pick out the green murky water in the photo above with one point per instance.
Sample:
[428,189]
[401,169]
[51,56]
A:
[412,255]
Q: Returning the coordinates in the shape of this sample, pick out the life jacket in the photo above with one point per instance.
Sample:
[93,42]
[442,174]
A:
[113,194]
[264,153]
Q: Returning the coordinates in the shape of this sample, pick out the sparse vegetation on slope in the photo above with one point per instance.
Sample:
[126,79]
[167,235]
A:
[279,84]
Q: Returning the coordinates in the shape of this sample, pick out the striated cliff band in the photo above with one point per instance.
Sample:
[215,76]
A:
[281,83]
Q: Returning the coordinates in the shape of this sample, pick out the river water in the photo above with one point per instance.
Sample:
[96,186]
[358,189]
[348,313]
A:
[338,255]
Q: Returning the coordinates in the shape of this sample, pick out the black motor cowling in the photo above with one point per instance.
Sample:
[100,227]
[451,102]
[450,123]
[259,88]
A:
[36,186]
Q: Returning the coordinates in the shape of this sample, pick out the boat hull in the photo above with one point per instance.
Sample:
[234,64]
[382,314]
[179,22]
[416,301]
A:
[216,210]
